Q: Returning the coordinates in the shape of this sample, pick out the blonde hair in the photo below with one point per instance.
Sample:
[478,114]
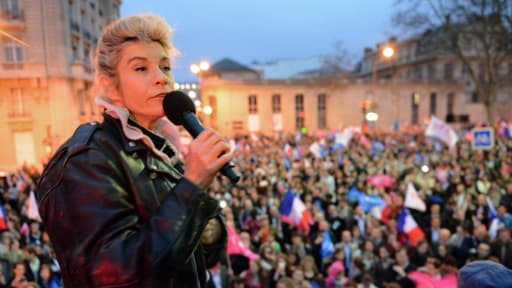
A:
[118,34]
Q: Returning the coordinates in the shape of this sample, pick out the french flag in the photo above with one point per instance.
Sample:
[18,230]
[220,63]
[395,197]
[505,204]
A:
[294,212]
[407,225]
[3,219]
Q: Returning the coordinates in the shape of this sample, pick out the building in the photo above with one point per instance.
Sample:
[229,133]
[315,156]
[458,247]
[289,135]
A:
[420,80]
[46,73]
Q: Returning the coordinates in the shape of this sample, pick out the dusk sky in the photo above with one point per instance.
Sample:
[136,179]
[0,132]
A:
[267,30]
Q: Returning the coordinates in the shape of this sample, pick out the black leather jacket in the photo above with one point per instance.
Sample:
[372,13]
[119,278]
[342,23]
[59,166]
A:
[119,216]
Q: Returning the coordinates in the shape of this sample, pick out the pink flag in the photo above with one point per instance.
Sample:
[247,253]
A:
[237,246]
[413,200]
[381,180]
[24,230]
[32,209]
[364,141]
[424,280]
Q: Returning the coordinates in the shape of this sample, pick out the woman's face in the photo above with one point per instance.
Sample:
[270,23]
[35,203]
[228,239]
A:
[145,78]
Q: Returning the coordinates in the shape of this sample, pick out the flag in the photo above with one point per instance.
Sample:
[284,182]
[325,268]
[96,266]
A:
[353,194]
[377,210]
[32,210]
[236,246]
[364,141]
[24,230]
[441,130]
[493,219]
[287,164]
[3,218]
[381,180]
[294,212]
[316,150]
[343,138]
[413,200]
[367,202]
[406,224]
[327,247]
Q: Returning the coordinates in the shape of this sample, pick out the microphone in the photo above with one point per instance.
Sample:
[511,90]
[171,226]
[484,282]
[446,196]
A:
[180,109]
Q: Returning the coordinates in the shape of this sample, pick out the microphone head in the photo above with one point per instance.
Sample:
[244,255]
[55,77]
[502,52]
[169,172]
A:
[176,104]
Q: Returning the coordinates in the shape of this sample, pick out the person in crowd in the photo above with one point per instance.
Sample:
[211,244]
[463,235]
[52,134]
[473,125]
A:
[121,203]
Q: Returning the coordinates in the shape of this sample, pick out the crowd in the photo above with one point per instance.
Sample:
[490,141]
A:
[468,215]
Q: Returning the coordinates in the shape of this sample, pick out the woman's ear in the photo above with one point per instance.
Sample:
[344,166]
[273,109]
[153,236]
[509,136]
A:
[110,89]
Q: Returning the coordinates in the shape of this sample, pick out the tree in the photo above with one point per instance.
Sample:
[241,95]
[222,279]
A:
[478,32]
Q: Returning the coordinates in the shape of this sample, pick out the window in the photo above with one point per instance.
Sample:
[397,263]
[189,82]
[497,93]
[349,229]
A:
[13,51]
[11,9]
[448,71]
[449,103]
[276,103]
[431,71]
[17,103]
[321,111]
[13,54]
[81,102]
[433,104]
[475,98]
[299,111]
[415,103]
[253,104]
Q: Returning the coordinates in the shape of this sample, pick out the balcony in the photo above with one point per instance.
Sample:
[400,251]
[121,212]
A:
[11,19]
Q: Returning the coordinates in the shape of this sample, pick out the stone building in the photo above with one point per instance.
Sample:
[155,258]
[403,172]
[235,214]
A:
[46,73]
[406,89]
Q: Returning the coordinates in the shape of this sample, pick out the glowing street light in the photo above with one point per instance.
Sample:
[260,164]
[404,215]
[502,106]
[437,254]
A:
[192,94]
[201,67]
[207,110]
[388,52]
[372,116]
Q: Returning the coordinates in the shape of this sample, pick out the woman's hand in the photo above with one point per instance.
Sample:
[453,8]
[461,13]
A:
[206,156]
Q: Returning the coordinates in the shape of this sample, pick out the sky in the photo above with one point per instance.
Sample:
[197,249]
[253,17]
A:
[267,30]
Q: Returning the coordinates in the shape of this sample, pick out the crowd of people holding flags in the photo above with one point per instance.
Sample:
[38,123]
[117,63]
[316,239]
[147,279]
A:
[340,209]
[355,209]
[26,255]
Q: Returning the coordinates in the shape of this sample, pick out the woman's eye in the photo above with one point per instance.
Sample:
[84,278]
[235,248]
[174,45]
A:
[166,68]
[140,69]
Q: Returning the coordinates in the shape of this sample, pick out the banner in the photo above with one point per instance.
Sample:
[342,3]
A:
[441,130]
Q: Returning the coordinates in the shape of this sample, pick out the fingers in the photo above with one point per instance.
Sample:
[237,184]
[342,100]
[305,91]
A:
[207,154]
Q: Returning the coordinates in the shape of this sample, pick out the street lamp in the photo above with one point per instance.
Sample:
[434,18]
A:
[200,68]
[385,52]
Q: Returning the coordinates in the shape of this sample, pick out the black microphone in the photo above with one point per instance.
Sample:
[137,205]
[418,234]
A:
[180,109]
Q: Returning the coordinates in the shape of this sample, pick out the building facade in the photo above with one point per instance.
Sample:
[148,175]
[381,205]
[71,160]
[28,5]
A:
[407,89]
[46,73]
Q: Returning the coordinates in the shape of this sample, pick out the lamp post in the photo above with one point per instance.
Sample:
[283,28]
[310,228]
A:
[386,52]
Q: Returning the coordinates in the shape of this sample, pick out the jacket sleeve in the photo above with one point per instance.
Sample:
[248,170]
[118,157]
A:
[92,219]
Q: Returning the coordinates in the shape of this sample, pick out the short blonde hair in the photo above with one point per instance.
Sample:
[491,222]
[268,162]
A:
[137,28]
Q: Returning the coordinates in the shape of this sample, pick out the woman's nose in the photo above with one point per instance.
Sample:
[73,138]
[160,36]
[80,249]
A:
[161,78]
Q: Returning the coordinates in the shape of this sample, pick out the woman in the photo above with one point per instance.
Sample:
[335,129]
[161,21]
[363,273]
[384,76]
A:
[119,205]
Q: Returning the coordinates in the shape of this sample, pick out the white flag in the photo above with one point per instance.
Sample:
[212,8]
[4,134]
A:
[316,150]
[32,209]
[413,200]
[441,130]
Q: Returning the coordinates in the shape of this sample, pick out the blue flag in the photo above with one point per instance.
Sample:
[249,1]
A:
[327,248]
[353,194]
[367,202]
